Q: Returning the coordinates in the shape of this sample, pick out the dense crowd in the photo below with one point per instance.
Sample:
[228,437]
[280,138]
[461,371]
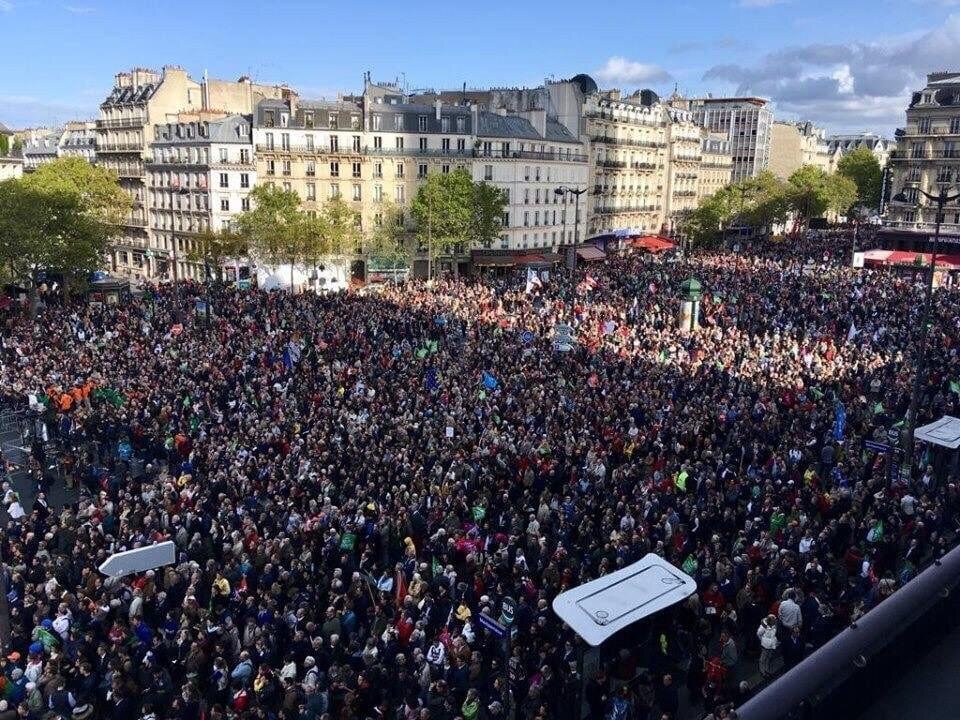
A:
[352,479]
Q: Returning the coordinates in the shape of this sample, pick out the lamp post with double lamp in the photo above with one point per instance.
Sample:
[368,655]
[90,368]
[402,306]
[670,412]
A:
[175,268]
[576,192]
[920,377]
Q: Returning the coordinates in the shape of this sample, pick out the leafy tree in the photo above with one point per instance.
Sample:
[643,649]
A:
[842,193]
[768,200]
[385,246]
[275,229]
[808,194]
[342,232]
[4,145]
[97,187]
[213,247]
[489,202]
[701,227]
[443,210]
[48,229]
[862,167]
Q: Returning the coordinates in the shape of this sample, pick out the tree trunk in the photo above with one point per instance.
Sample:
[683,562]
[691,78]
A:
[66,289]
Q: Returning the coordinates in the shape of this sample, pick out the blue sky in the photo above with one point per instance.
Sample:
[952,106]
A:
[847,64]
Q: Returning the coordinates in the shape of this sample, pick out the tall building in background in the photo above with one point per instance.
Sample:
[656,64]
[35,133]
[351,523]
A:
[746,121]
[199,175]
[684,160]
[716,166]
[140,100]
[40,146]
[629,156]
[79,139]
[926,158]
[795,144]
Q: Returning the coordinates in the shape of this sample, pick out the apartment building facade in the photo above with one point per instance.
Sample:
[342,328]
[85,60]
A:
[198,177]
[628,146]
[39,148]
[840,145]
[927,158]
[746,122]
[793,145]
[140,100]
[716,166]
[683,168]
[79,139]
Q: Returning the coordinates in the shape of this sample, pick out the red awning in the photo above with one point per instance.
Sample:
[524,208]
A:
[652,243]
[904,257]
[590,253]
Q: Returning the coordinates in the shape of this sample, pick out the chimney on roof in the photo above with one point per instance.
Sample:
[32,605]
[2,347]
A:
[475,119]
[438,104]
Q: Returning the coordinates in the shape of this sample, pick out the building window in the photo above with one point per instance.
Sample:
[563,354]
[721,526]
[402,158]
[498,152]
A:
[356,169]
[244,180]
[536,219]
[334,190]
[399,193]
[378,193]
[399,143]
[398,122]
[286,167]
[311,191]
[332,121]
[505,220]
[224,180]
[423,143]
[356,143]
[487,148]
[285,141]
[422,123]
[245,156]
[538,173]
[311,168]
[334,143]
[488,172]
[310,143]
[422,170]
[286,187]
[399,170]
[526,196]
[526,172]
[526,219]
[955,126]
[445,124]
[245,204]
[269,119]
[356,191]
[271,167]
[377,119]
[308,119]
[461,124]
[225,204]
[445,144]
[269,139]
[536,196]
[355,122]
[445,169]
[334,169]
[378,143]
[223,155]
[461,145]
[378,170]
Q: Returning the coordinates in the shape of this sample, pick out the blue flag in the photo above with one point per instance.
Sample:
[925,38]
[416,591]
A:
[839,422]
[489,381]
[431,380]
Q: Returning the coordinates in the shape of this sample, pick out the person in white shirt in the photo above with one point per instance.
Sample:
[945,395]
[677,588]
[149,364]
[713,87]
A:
[789,614]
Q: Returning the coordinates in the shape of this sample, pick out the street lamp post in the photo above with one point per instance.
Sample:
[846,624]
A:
[176,259]
[920,377]
[576,192]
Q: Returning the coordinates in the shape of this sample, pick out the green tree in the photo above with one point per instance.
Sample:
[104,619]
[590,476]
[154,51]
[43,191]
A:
[768,200]
[862,167]
[97,187]
[842,193]
[808,194]
[275,229]
[48,229]
[385,245]
[702,226]
[342,229]
[489,202]
[444,213]
[213,247]
[4,145]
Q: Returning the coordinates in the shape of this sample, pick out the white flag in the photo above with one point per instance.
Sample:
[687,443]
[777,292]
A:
[533,280]
[852,333]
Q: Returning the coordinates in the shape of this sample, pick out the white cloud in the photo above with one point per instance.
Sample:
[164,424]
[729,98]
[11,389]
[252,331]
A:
[6,6]
[848,83]
[760,3]
[621,71]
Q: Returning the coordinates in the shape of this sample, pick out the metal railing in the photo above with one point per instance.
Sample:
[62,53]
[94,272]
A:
[137,121]
[119,147]
[626,209]
[627,142]
[477,153]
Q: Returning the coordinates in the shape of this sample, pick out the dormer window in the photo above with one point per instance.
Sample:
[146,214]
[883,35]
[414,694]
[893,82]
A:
[284,118]
[332,121]
[308,119]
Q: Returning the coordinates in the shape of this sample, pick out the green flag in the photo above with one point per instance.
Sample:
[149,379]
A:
[422,353]
[433,346]
[878,408]
[955,387]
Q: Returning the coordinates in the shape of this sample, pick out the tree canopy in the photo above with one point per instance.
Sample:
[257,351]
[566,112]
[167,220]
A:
[97,188]
[861,166]
[451,210]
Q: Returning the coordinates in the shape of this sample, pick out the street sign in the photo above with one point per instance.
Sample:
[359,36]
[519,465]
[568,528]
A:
[492,625]
[139,559]
[877,446]
[526,336]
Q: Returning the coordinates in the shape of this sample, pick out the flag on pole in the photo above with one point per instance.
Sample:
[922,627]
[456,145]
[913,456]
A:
[852,333]
[489,381]
[431,380]
[533,280]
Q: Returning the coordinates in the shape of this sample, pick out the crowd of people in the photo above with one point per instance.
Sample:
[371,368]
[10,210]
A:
[351,480]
